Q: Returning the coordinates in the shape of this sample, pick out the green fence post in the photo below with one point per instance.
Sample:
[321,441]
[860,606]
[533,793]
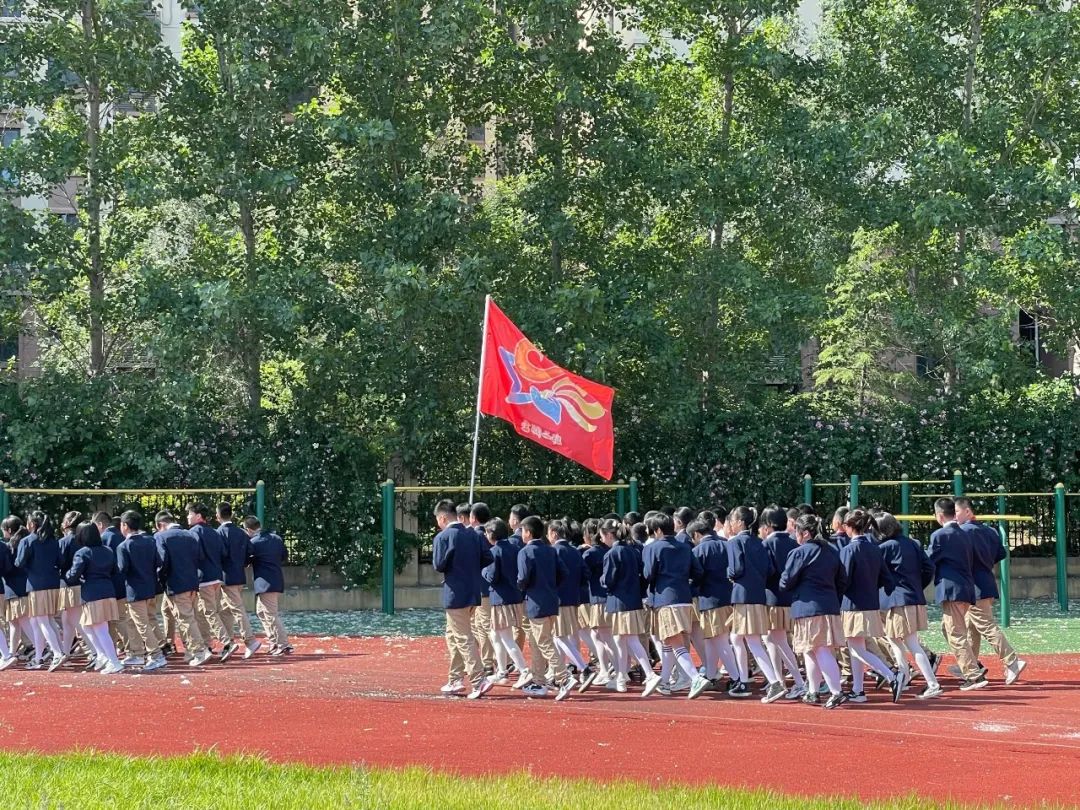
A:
[1005,603]
[853,500]
[260,502]
[388,547]
[905,501]
[808,489]
[633,493]
[620,499]
[5,505]
[957,484]
[1059,525]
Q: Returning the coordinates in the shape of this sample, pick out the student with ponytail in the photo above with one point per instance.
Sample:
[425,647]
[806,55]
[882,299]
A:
[621,578]
[779,544]
[709,573]
[70,602]
[501,576]
[596,621]
[7,569]
[93,568]
[39,557]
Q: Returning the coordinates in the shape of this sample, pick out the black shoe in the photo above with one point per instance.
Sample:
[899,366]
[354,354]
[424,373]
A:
[836,701]
[897,689]
[977,683]
[511,669]
[879,681]
[168,648]
[636,675]
[855,697]
[489,671]
[935,661]
[587,677]
[739,690]
[227,650]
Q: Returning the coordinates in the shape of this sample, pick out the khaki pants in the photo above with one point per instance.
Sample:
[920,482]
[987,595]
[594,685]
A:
[235,614]
[165,620]
[481,628]
[461,645]
[954,625]
[521,632]
[182,608]
[143,638]
[120,630]
[545,658]
[982,624]
[209,615]
[269,613]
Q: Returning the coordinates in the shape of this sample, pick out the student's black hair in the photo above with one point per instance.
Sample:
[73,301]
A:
[684,514]
[43,527]
[14,525]
[667,509]
[132,519]
[639,533]
[104,518]
[660,521]
[224,510]
[87,534]
[611,516]
[793,513]
[497,527]
[839,515]
[812,524]
[630,518]
[709,517]
[71,521]
[520,511]
[775,518]
[806,509]
[574,532]
[699,526]
[947,507]
[481,511]
[860,521]
[964,503]
[889,527]
[200,509]
[745,515]
[558,525]
[534,525]
[11,523]
[253,523]
[463,510]
[164,516]
[590,531]
[615,527]
[445,507]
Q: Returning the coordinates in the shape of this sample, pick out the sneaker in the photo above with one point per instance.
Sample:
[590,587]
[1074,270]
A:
[588,678]
[168,648]
[652,681]
[898,688]
[113,668]
[284,649]
[738,689]
[226,651]
[57,662]
[252,648]
[32,664]
[700,684]
[501,678]
[810,698]
[956,672]
[134,661]
[603,680]
[157,662]
[566,687]
[930,692]
[100,663]
[839,699]
[776,691]
[620,683]
[534,690]
[524,679]
[977,683]
[7,662]
[935,661]
[880,681]
[1012,674]
[796,692]
[823,690]
[681,682]
[636,675]
[91,662]
[481,689]
[455,687]
[200,659]
[855,697]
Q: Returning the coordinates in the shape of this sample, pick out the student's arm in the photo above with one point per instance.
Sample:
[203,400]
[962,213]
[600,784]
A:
[486,554]
[841,580]
[791,575]
[697,566]
[24,554]
[163,561]
[649,565]
[562,572]
[934,551]
[926,567]
[121,559]
[886,580]
[525,570]
[78,565]
[736,564]
[490,572]
[609,571]
[997,548]
[441,553]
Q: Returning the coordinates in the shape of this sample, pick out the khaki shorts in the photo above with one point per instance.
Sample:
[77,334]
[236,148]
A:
[749,620]
[863,624]
[17,608]
[98,611]
[566,623]
[901,622]
[44,603]
[505,617]
[596,617]
[70,596]
[672,620]
[716,621]
[629,623]
[780,618]
[817,631]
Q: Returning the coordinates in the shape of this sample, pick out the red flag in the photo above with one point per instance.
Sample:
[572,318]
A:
[548,404]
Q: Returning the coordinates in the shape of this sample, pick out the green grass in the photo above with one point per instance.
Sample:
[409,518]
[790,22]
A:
[88,781]
[1037,627]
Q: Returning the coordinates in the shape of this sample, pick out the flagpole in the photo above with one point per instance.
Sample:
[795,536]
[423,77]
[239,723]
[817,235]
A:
[479,393]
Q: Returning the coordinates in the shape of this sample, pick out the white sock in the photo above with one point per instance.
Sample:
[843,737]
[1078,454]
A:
[757,649]
[727,655]
[48,633]
[686,662]
[777,641]
[570,651]
[742,661]
[638,651]
[585,637]
[667,661]
[859,651]
[830,670]
[506,639]
[603,653]
[499,650]
[69,621]
[711,660]
[813,674]
[104,641]
[922,660]
[697,638]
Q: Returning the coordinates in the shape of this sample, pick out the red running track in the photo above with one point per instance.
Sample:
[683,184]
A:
[376,701]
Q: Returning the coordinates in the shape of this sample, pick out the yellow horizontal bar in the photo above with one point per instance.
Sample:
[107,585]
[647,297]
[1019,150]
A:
[534,488]
[217,491]
[829,485]
[898,483]
[985,518]
[989,495]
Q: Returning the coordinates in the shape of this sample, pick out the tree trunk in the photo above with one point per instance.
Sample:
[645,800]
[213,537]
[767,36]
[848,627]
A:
[252,349]
[95,271]
[558,176]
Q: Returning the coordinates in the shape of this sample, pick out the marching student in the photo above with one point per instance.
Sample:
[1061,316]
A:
[749,568]
[7,569]
[839,538]
[93,568]
[39,556]
[268,556]
[234,577]
[667,564]
[459,557]
[567,626]
[136,560]
[709,573]
[815,578]
[987,551]
[178,571]
[596,622]
[621,578]
[905,607]
[474,516]
[121,629]
[779,544]
[518,512]
[682,517]
[213,557]
[860,608]
[69,602]
[954,588]
[540,571]
[501,576]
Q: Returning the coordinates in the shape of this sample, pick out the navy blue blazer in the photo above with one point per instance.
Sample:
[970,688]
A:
[666,567]
[779,545]
[749,568]
[68,547]
[268,555]
[485,586]
[137,560]
[111,538]
[839,541]
[14,576]
[238,548]
[178,560]
[952,555]
[40,559]
[516,540]
[710,573]
[540,572]
[987,551]
[621,576]
[93,568]
[458,556]
[577,577]
[501,574]
[911,569]
[594,567]
[213,553]
[815,578]
[866,575]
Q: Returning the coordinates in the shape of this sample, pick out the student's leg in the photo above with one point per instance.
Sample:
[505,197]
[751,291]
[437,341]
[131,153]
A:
[757,649]
[456,669]
[697,638]
[463,639]
[103,641]
[543,630]
[741,660]
[681,655]
[981,618]
[481,625]
[184,609]
[567,646]
[711,659]
[727,655]
[91,645]
[498,651]
[585,636]
[272,603]
[144,631]
[954,626]
[603,644]
[635,648]
[509,643]
[922,660]
[813,674]
[844,661]
[232,598]
[667,662]
[48,633]
[830,670]
[898,653]
[622,656]
[777,641]
[216,613]
[69,621]
[860,653]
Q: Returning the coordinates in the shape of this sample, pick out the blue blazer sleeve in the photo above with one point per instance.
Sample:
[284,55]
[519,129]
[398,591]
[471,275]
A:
[697,568]
[25,554]
[78,565]
[562,573]
[486,554]
[163,562]
[609,571]
[841,580]
[792,573]
[886,580]
[648,562]
[926,568]
[121,559]
[736,563]
[524,563]
[442,553]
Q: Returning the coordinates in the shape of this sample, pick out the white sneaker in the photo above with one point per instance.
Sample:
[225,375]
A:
[7,662]
[200,659]
[453,687]
[113,669]
[652,680]
[681,682]
[134,661]
[252,648]
[620,683]
[501,678]
[930,692]
[481,689]
[796,692]
[100,663]
[524,679]
[157,662]
[1012,674]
